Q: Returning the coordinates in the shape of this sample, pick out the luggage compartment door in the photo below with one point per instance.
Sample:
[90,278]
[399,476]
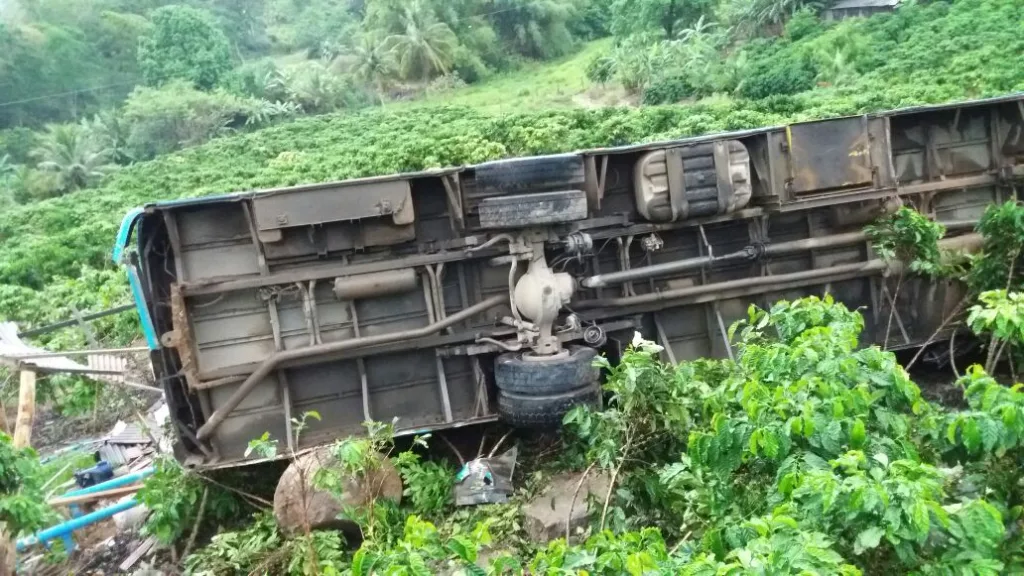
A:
[829,155]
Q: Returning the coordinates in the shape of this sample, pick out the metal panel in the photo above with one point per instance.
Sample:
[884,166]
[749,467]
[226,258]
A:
[332,204]
[829,155]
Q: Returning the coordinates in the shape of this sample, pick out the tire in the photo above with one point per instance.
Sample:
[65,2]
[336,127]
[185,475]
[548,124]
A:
[543,377]
[544,411]
[521,210]
[518,175]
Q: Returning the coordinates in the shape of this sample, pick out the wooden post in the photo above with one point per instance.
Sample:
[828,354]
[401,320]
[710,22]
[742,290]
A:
[26,410]
[22,439]
[4,426]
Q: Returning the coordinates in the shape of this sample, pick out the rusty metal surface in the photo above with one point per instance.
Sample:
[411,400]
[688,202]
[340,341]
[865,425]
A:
[180,338]
[829,155]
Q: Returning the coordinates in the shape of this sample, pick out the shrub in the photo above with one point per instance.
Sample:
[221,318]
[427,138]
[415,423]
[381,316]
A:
[183,44]
[778,72]
[162,120]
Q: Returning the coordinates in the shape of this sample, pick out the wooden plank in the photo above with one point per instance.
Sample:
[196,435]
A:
[26,410]
[138,553]
[83,498]
[22,439]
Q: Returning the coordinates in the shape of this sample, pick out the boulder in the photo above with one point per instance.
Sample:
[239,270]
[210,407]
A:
[321,508]
[545,515]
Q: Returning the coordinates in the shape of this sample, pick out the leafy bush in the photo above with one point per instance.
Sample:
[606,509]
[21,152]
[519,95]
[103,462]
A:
[601,69]
[777,72]
[162,120]
[175,498]
[428,484]
[830,446]
[999,265]
[23,507]
[183,44]
[908,236]
[316,89]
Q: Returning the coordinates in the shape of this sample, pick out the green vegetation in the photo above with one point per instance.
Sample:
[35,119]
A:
[922,53]
[183,44]
[178,501]
[23,508]
[64,198]
[132,79]
[802,455]
[558,84]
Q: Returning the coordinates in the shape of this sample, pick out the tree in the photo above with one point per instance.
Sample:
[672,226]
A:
[243,22]
[372,63]
[534,28]
[321,24]
[165,119]
[109,130]
[666,17]
[67,152]
[425,46]
[184,43]
[771,14]
[6,167]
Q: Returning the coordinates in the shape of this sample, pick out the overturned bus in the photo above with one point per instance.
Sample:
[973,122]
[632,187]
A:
[475,293]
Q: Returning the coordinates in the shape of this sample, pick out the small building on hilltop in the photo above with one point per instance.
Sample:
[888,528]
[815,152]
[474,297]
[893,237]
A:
[852,8]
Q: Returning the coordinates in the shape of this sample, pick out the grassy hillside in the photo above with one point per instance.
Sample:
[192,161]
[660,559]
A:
[55,251]
[535,86]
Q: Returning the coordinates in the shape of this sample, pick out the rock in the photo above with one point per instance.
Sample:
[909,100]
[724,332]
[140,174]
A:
[322,508]
[546,514]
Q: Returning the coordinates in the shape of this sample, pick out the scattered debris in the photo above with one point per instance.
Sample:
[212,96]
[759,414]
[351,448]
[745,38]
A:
[486,480]
[138,553]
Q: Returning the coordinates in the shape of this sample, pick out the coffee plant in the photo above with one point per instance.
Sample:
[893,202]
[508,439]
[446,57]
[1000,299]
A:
[804,455]
[23,506]
[173,496]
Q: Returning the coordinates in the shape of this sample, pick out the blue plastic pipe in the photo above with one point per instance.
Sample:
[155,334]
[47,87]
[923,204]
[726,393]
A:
[113,483]
[64,529]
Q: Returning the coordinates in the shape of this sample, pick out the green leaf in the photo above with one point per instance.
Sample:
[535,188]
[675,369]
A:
[868,539]
[462,549]
[971,435]
[363,562]
[857,434]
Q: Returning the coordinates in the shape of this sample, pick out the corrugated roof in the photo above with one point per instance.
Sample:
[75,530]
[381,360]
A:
[102,366]
[129,434]
[854,4]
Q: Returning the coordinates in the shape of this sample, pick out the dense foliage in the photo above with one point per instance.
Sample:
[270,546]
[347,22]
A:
[178,500]
[922,51]
[214,66]
[803,455]
[22,503]
[183,44]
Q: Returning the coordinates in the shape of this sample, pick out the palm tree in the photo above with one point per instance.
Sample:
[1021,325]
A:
[534,28]
[108,130]
[372,62]
[6,167]
[67,152]
[772,14]
[425,46]
[7,171]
